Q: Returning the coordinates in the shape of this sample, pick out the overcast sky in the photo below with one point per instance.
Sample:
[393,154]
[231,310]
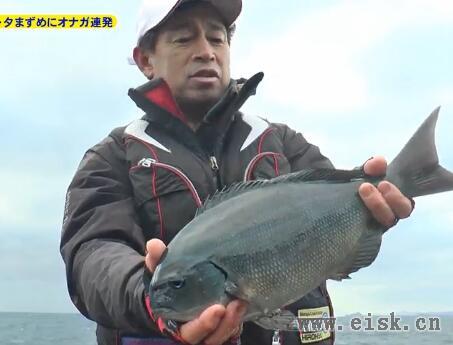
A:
[355,77]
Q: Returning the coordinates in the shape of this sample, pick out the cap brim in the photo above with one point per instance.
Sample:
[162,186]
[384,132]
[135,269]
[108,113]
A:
[229,10]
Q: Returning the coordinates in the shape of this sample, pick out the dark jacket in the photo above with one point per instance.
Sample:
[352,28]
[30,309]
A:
[146,181]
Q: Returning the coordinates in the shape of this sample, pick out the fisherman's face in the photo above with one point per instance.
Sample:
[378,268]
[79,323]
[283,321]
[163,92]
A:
[192,55]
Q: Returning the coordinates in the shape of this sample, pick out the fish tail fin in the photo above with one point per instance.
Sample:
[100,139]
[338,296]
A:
[416,170]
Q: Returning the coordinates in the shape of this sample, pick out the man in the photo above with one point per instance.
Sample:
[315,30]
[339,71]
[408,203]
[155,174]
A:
[138,187]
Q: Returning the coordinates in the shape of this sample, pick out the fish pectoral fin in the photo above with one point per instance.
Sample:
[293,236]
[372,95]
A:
[232,289]
[282,320]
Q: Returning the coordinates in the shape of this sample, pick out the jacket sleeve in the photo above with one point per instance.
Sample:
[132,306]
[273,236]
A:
[102,242]
[300,153]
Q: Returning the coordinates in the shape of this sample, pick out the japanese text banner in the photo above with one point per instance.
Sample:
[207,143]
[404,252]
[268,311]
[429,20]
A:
[57,21]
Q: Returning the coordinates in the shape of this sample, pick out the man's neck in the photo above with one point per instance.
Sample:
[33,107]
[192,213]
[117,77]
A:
[193,125]
[194,113]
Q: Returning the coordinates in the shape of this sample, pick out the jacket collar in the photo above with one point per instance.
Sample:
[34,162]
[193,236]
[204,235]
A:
[155,96]
[156,100]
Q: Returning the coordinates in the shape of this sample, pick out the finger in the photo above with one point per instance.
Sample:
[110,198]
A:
[237,331]
[375,166]
[154,250]
[193,332]
[229,325]
[401,206]
[377,205]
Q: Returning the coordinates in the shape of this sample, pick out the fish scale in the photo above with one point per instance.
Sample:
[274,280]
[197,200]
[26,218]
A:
[271,242]
[284,266]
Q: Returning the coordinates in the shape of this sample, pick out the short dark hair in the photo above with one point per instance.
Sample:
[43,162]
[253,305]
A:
[148,40]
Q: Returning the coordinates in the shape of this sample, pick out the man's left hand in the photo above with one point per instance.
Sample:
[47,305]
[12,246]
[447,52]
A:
[386,202]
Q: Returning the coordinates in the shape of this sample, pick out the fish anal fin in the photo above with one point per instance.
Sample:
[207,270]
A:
[340,276]
[367,249]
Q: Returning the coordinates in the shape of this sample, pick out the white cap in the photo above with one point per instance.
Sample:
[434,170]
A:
[154,12]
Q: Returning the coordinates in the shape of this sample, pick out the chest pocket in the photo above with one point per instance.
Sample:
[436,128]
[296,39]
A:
[165,198]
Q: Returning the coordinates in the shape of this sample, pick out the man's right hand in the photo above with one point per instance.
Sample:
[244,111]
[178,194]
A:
[216,324]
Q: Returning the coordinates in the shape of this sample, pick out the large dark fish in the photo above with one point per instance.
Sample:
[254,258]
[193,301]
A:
[271,242]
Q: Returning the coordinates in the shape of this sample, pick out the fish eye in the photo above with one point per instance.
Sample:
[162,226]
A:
[176,284]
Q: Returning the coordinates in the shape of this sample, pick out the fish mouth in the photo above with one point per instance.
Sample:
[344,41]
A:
[163,310]
[171,314]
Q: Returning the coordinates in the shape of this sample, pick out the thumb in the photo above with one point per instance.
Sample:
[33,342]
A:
[154,250]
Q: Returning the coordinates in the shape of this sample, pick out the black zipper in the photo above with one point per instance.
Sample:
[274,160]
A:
[205,163]
[216,170]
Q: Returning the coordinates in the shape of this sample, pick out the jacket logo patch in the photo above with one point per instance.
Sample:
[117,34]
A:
[313,329]
[146,162]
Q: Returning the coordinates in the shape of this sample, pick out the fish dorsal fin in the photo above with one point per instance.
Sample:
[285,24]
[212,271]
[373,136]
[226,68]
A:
[230,191]
[321,175]
[307,175]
